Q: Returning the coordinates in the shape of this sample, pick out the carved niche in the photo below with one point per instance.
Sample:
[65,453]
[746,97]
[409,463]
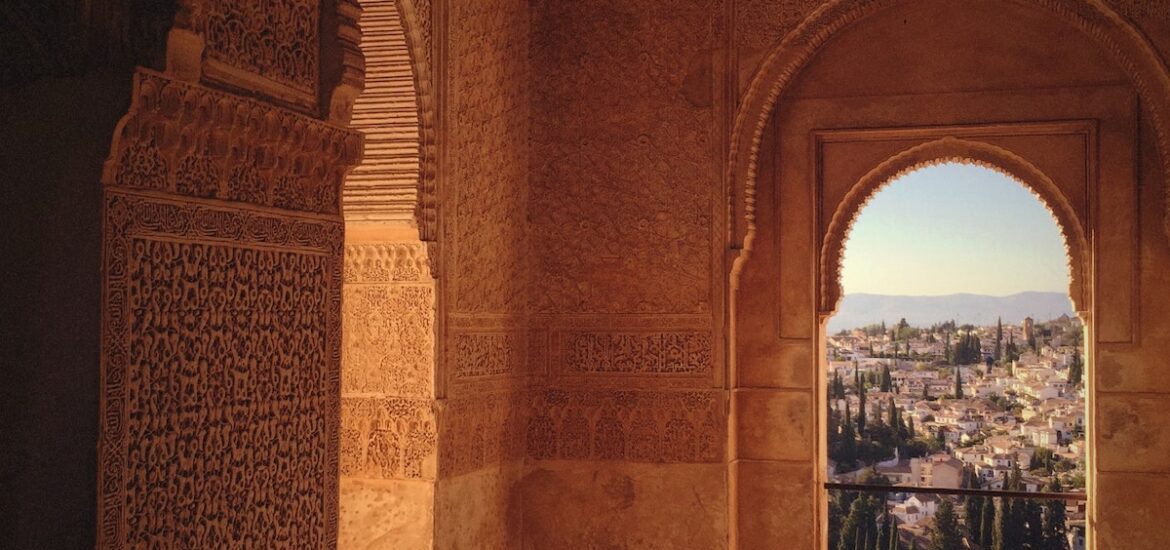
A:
[221,324]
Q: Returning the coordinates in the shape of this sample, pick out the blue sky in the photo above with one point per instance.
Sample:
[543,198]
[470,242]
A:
[954,228]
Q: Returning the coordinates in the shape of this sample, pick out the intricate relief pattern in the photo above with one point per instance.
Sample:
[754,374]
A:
[185,139]
[488,354]
[625,133]
[388,438]
[480,431]
[657,353]
[489,164]
[219,377]
[1141,10]
[386,263]
[275,39]
[389,339]
[641,426]
[761,23]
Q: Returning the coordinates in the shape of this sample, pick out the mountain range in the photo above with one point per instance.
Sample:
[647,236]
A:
[858,310]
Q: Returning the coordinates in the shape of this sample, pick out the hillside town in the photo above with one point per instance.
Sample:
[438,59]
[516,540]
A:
[949,406]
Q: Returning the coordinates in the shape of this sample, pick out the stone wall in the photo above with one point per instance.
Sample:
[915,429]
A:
[627,424]
[483,188]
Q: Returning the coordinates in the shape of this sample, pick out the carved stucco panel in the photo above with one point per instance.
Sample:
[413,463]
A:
[488,133]
[624,167]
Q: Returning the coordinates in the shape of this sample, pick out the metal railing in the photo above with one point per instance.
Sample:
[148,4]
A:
[1079,497]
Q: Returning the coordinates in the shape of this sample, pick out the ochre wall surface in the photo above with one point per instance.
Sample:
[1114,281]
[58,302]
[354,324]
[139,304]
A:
[627,426]
[483,270]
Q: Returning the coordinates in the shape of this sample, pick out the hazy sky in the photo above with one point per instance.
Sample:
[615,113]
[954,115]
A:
[954,228]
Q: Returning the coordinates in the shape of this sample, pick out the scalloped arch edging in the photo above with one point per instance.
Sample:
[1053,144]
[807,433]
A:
[1126,45]
[945,150]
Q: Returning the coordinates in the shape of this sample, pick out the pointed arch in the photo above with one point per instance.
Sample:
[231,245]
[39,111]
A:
[1127,46]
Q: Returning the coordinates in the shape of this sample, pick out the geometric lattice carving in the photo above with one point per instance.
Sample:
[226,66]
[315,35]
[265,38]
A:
[186,139]
[641,426]
[219,377]
[489,142]
[657,353]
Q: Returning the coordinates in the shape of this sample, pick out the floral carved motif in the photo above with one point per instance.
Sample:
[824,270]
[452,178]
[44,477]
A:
[640,426]
[388,438]
[185,139]
[489,354]
[657,353]
[220,384]
[277,40]
[389,339]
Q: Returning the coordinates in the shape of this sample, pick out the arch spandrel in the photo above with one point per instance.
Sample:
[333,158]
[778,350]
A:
[1126,45]
[949,149]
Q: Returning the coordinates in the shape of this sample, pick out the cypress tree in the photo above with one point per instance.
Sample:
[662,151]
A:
[945,533]
[958,384]
[894,542]
[987,522]
[1033,532]
[1075,369]
[1054,520]
[999,339]
[861,412]
[886,379]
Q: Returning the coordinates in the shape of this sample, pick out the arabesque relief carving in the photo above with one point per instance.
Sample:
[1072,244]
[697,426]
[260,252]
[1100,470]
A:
[652,353]
[389,340]
[216,338]
[221,324]
[488,354]
[639,426]
[388,438]
[277,40]
[185,139]
[623,192]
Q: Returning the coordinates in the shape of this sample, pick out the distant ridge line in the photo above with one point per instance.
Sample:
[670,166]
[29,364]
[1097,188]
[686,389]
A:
[860,309]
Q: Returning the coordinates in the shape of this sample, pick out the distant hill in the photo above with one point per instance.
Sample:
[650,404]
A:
[858,310]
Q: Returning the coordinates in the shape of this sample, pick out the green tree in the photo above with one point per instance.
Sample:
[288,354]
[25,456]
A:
[887,381]
[1054,529]
[986,523]
[1076,371]
[999,338]
[945,535]
[861,409]
[958,384]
